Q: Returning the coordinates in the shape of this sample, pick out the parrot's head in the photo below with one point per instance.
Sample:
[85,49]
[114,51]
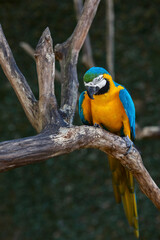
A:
[97,81]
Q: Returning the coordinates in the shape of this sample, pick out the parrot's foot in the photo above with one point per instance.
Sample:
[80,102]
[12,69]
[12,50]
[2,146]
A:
[97,125]
[129,144]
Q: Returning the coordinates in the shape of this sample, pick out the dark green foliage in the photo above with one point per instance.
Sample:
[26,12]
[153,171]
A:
[71,197]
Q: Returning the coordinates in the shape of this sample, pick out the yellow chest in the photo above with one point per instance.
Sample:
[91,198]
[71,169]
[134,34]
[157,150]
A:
[107,110]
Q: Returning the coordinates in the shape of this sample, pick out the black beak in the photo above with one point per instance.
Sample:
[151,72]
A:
[92,91]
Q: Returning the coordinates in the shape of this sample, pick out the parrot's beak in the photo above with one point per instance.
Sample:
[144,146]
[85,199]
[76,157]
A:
[92,91]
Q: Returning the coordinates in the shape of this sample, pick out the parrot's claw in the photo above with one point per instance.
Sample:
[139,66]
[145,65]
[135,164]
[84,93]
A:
[96,125]
[129,144]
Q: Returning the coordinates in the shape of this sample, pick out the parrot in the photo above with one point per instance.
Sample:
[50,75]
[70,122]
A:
[108,105]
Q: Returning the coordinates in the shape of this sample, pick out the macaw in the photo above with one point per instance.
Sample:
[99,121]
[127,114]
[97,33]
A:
[108,105]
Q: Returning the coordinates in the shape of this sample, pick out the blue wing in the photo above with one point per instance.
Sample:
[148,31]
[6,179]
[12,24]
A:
[129,109]
[84,108]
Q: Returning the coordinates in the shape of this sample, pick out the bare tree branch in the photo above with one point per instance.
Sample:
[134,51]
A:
[68,53]
[21,152]
[18,81]
[45,61]
[87,57]
[110,36]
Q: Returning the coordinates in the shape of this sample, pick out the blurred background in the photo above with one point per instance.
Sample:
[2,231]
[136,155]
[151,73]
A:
[71,196]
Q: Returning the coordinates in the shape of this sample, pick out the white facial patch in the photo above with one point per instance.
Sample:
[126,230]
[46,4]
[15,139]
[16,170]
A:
[97,82]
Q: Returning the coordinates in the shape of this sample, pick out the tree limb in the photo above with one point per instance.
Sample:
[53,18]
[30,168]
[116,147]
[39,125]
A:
[68,53]
[45,145]
[45,61]
[18,81]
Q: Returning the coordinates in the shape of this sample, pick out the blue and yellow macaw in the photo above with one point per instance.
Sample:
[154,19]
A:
[108,104]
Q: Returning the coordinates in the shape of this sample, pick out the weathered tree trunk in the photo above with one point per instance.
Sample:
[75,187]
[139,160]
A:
[56,135]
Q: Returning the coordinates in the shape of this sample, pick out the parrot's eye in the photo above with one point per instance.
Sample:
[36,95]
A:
[89,84]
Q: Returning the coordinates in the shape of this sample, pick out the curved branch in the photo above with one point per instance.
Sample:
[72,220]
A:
[38,148]
[18,81]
